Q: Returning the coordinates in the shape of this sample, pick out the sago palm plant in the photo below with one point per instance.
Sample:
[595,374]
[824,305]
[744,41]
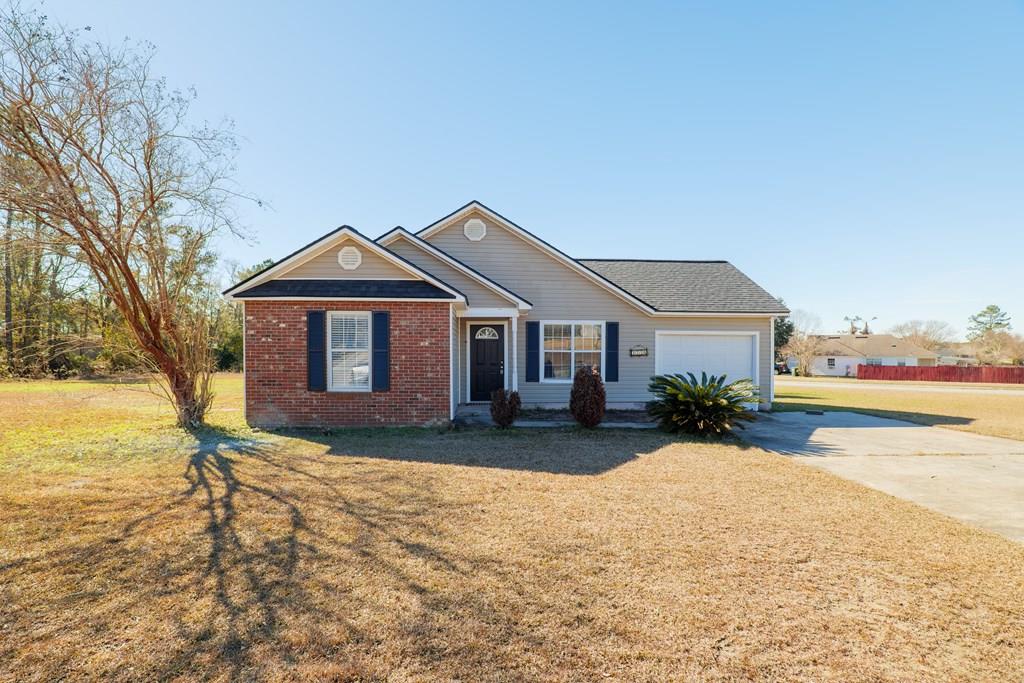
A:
[707,407]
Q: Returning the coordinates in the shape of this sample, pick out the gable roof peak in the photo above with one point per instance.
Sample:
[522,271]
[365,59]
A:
[399,232]
[325,242]
[538,242]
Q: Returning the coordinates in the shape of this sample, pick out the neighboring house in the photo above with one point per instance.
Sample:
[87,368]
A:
[842,353]
[406,328]
[960,354]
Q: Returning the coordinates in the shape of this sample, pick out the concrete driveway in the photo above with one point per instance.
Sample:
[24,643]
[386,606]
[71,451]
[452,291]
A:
[974,478]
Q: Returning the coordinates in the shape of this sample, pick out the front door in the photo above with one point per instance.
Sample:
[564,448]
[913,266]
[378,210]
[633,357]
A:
[486,361]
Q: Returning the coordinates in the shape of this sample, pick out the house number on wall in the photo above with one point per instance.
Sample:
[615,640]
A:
[637,351]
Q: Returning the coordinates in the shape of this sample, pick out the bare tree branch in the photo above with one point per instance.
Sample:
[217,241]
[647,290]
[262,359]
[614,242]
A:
[102,154]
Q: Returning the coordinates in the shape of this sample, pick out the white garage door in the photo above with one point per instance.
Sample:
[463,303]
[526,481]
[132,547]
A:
[733,355]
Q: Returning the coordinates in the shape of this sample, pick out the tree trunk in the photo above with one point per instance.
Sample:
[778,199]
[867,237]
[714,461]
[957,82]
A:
[187,403]
[8,304]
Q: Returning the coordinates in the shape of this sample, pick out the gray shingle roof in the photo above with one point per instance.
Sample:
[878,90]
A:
[688,286]
[357,289]
[871,345]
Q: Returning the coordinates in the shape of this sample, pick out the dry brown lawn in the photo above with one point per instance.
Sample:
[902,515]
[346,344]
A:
[409,555]
[994,414]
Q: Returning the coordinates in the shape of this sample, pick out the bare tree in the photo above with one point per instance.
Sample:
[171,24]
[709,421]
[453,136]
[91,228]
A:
[1015,349]
[101,153]
[805,348]
[804,343]
[999,347]
[9,291]
[928,334]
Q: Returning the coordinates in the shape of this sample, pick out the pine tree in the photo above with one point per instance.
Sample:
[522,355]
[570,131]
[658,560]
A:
[990,319]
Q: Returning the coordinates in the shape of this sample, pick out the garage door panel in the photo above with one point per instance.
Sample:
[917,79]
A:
[731,355]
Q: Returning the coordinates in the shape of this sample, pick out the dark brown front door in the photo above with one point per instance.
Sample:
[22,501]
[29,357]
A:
[486,361]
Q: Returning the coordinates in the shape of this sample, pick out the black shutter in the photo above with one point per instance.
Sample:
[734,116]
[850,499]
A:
[611,352]
[381,351]
[316,353]
[532,351]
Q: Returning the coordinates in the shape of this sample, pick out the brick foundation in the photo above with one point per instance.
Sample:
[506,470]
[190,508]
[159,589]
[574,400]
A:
[275,367]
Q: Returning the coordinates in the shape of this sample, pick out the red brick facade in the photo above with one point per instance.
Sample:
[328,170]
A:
[275,367]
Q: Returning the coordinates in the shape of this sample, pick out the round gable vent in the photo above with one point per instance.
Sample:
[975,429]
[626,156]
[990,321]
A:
[474,230]
[349,258]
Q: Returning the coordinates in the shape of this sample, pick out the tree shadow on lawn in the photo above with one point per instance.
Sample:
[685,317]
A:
[572,451]
[266,560]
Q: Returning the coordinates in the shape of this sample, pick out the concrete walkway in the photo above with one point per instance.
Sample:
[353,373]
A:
[977,479]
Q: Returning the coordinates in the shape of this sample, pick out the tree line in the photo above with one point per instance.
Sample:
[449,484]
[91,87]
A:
[58,321]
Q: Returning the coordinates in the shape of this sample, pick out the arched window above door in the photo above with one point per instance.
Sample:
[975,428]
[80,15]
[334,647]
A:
[486,333]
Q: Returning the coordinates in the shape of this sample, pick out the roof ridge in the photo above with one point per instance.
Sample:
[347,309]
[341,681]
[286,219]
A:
[654,260]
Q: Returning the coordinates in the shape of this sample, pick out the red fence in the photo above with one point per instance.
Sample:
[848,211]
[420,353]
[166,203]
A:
[943,373]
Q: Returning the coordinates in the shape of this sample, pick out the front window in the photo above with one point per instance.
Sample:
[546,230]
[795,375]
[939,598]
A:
[349,346]
[874,361]
[831,363]
[569,346]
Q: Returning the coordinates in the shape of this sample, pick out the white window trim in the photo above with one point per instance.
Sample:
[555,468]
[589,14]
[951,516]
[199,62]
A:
[369,354]
[469,359]
[572,353]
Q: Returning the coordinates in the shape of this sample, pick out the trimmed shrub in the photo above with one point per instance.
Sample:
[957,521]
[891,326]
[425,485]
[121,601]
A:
[706,407]
[505,407]
[587,400]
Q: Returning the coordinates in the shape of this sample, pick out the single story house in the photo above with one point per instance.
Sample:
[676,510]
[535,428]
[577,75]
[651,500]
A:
[961,354]
[842,353]
[406,328]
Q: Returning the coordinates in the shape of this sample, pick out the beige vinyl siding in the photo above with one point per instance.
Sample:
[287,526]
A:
[477,295]
[325,266]
[559,293]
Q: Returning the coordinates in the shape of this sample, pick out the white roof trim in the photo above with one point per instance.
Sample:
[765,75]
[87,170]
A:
[351,298]
[470,312]
[697,314]
[390,237]
[543,246]
[327,242]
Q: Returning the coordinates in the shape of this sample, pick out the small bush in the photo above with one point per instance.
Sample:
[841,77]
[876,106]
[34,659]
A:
[587,400]
[707,407]
[505,407]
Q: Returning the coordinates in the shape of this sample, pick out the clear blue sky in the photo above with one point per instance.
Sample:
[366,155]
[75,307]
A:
[854,158]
